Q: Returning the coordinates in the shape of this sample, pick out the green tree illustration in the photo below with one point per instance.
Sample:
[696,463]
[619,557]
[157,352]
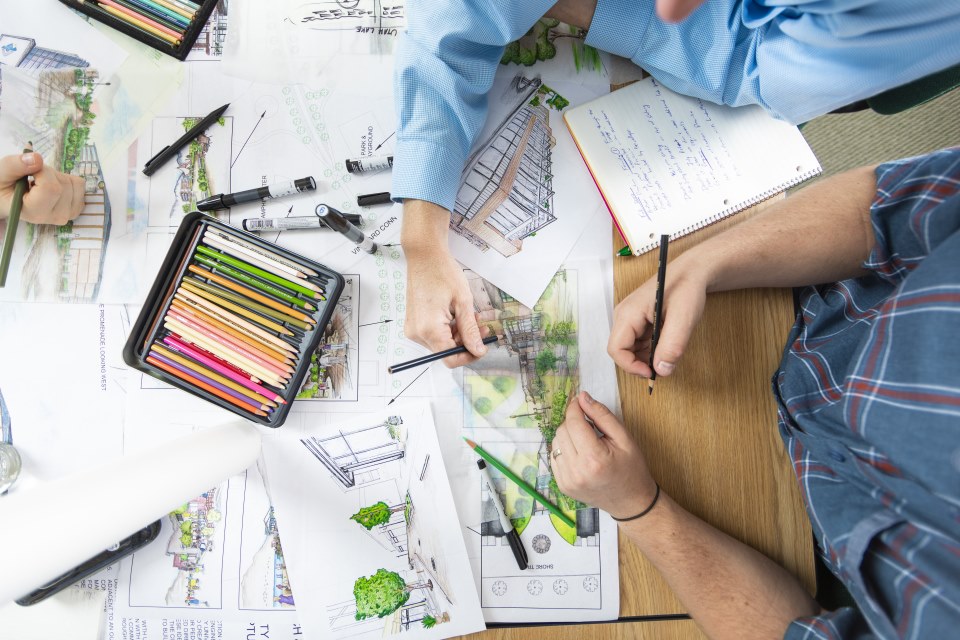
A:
[539,43]
[546,361]
[375,514]
[428,621]
[379,595]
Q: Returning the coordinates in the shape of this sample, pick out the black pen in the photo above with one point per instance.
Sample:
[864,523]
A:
[508,529]
[275,190]
[658,307]
[171,150]
[433,357]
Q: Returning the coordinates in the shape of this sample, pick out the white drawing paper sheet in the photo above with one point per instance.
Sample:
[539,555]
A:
[365,511]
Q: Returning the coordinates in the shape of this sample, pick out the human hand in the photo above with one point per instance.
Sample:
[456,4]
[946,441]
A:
[685,292]
[608,472]
[440,312]
[54,198]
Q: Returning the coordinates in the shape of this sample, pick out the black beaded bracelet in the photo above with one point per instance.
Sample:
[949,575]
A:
[656,497]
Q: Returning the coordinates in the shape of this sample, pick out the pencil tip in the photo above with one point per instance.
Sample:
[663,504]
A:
[650,388]
[470,443]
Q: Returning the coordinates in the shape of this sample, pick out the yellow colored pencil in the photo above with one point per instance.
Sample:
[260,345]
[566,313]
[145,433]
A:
[269,324]
[140,24]
[227,382]
[231,318]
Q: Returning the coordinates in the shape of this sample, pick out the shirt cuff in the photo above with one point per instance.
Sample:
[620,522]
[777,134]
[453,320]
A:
[617,24]
[424,170]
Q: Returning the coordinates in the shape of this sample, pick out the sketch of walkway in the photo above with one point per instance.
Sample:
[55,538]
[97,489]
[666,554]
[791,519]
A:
[507,189]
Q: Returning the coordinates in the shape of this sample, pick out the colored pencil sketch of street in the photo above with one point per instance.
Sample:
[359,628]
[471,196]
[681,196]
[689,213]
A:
[507,189]
[55,111]
[265,584]
[333,366]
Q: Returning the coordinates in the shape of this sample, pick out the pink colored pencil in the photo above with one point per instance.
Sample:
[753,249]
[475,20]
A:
[143,18]
[177,345]
[212,356]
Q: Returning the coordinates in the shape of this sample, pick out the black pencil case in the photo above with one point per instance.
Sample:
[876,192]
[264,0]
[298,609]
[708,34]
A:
[179,51]
[149,324]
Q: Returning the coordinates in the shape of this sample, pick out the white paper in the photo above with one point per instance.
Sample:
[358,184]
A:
[369,497]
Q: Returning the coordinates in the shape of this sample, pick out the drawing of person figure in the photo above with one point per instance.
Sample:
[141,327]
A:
[286,596]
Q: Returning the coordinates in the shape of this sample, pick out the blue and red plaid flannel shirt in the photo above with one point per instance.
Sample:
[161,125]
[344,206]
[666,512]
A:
[868,394]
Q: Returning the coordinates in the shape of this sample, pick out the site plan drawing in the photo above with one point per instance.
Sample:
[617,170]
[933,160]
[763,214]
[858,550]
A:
[367,498]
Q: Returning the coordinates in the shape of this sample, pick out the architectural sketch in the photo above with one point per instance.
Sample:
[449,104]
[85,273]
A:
[353,456]
[210,40]
[23,52]
[541,42]
[334,366]
[507,190]
[374,17]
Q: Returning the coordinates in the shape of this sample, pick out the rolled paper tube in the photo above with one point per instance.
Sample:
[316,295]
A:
[148,484]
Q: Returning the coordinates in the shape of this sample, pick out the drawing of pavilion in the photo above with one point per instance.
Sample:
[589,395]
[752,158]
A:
[353,456]
[21,52]
[507,192]
[85,238]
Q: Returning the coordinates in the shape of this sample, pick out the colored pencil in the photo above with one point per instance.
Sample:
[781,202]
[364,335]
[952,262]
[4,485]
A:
[252,306]
[264,264]
[146,19]
[185,334]
[140,24]
[269,254]
[265,287]
[157,13]
[229,342]
[184,12]
[184,308]
[186,5]
[13,221]
[242,356]
[179,342]
[202,385]
[213,375]
[223,281]
[522,484]
[295,287]
[234,320]
[210,381]
[175,344]
[254,253]
[226,304]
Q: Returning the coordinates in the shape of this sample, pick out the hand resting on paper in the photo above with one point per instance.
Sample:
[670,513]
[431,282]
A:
[54,198]
[440,312]
[609,472]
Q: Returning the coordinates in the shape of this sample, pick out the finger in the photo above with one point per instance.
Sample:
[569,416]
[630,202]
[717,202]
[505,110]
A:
[14,167]
[680,318]
[468,329]
[627,331]
[603,419]
[42,199]
[441,337]
[581,432]
[563,444]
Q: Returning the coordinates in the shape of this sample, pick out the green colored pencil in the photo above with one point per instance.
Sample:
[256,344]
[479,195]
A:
[260,285]
[533,493]
[13,221]
[256,271]
[249,304]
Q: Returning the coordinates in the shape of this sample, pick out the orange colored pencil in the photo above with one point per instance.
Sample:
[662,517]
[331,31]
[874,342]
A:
[189,311]
[199,368]
[250,293]
[203,385]
[140,24]
[233,319]
[255,317]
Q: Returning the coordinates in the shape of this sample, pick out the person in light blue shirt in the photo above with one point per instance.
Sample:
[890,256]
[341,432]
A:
[797,59]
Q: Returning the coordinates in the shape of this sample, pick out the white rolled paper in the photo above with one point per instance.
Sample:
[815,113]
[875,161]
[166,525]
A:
[52,528]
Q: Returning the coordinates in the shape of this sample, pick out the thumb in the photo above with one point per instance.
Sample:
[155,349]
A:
[602,417]
[469,330]
[680,318]
[14,167]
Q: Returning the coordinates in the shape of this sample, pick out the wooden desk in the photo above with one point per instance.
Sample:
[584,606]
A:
[709,433]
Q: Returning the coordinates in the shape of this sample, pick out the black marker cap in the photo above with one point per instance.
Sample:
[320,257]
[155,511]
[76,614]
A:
[353,166]
[305,184]
[371,199]
[212,203]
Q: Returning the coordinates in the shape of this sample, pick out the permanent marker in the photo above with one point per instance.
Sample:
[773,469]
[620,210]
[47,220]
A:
[276,190]
[369,164]
[339,223]
[371,199]
[294,222]
[512,536]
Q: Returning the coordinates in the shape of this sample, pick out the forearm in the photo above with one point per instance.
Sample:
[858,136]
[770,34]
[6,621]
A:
[424,228]
[820,234]
[578,13]
[730,590]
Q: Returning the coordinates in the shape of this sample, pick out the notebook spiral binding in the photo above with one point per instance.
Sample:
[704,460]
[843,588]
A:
[737,208]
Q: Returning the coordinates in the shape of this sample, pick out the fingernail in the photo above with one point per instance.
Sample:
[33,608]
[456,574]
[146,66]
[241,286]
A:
[480,347]
[29,159]
[665,368]
[588,397]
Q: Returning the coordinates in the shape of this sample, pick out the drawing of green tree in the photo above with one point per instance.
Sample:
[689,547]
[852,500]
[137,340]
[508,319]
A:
[546,361]
[375,514]
[428,621]
[383,593]
[539,43]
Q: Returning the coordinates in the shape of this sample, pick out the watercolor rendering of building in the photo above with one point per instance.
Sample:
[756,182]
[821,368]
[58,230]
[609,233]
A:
[21,52]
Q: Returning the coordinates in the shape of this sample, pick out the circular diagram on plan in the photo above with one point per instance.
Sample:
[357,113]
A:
[591,584]
[560,586]
[499,588]
[541,543]
[535,587]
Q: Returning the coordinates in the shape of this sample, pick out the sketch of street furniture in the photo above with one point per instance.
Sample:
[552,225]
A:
[506,193]
[362,450]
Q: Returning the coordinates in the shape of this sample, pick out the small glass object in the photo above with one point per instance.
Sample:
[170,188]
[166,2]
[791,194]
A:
[9,466]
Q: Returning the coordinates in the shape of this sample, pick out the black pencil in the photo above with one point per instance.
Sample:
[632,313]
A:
[433,357]
[658,307]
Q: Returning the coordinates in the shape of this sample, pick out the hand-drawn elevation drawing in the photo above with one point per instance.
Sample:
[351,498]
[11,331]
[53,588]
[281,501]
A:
[210,41]
[334,365]
[506,194]
[267,566]
[62,263]
[540,44]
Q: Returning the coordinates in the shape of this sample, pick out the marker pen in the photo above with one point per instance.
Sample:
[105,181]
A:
[339,223]
[294,222]
[370,199]
[512,536]
[369,164]
[276,190]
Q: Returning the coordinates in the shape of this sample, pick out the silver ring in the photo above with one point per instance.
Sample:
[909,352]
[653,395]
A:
[556,453]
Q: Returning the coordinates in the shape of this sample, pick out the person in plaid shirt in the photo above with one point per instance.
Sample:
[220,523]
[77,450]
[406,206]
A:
[868,396]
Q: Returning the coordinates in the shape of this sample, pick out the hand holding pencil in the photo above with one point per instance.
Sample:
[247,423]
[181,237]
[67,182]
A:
[54,198]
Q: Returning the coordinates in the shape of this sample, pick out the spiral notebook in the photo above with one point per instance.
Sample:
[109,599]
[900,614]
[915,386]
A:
[672,164]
